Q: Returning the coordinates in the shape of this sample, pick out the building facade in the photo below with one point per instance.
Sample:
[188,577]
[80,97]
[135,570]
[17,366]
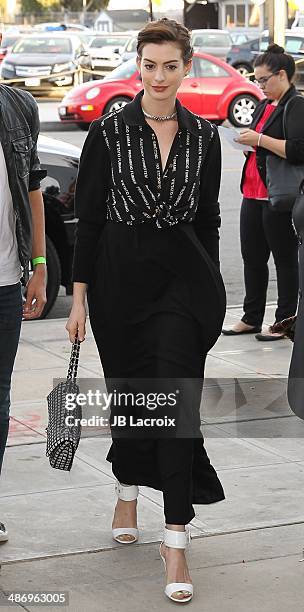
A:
[235,15]
[242,14]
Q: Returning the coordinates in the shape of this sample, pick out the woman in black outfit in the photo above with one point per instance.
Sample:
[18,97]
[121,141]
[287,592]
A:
[262,230]
[147,252]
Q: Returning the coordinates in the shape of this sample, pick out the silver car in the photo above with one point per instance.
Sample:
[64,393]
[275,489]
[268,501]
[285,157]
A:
[105,51]
[214,42]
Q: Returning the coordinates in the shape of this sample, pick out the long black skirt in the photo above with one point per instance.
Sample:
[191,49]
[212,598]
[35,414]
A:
[156,307]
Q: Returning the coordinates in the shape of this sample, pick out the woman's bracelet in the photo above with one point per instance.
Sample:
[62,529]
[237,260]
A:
[38,260]
[259,138]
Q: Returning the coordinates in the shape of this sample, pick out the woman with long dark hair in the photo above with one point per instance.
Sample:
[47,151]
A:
[147,256]
[262,230]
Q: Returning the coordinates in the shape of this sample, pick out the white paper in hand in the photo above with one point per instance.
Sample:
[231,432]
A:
[230,133]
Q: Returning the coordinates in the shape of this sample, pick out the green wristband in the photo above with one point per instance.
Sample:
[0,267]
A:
[38,260]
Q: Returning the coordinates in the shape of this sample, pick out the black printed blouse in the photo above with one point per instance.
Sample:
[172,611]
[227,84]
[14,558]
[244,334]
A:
[120,180]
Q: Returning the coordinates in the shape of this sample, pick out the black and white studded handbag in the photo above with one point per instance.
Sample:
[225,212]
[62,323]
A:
[62,438]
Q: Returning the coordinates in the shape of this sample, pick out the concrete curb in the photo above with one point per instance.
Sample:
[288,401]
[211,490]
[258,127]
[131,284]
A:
[58,126]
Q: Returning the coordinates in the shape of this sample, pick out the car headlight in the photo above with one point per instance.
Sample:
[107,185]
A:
[63,67]
[92,93]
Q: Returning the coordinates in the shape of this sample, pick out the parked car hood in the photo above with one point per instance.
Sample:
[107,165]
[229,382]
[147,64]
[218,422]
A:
[51,145]
[31,59]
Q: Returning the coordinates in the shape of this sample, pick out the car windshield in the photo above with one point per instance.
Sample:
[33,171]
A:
[86,38]
[43,45]
[123,71]
[264,44]
[239,39]
[8,41]
[294,45]
[131,46]
[211,40]
[100,41]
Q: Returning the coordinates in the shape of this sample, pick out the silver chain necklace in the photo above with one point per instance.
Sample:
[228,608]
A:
[160,117]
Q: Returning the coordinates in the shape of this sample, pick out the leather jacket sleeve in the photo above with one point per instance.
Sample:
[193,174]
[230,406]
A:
[36,172]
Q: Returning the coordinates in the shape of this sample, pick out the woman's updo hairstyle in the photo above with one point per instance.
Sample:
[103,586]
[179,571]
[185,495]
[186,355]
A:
[166,30]
[276,59]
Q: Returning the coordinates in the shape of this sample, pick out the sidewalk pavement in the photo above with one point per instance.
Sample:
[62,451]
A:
[245,552]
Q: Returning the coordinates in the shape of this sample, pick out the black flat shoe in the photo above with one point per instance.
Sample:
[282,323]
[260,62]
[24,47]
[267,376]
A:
[269,337]
[231,332]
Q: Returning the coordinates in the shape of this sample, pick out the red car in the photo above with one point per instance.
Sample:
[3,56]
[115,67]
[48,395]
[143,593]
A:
[213,90]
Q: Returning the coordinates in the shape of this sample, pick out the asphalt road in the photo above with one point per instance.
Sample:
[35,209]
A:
[230,199]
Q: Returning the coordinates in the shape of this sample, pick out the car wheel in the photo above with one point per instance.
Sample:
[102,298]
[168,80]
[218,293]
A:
[116,104]
[53,277]
[244,69]
[241,110]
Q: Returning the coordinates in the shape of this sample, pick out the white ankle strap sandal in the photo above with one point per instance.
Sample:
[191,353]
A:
[177,539]
[126,493]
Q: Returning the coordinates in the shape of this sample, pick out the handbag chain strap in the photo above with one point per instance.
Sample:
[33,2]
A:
[73,365]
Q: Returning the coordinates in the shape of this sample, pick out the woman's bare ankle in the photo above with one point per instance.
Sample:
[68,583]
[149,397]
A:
[175,527]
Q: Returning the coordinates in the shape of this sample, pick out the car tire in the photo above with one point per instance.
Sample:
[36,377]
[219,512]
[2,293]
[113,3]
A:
[53,277]
[116,104]
[244,69]
[241,110]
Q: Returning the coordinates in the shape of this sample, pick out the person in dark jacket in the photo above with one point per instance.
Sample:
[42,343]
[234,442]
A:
[147,255]
[22,236]
[263,231]
[295,390]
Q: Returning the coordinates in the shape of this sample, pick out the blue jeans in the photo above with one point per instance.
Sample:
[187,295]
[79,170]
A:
[10,325]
